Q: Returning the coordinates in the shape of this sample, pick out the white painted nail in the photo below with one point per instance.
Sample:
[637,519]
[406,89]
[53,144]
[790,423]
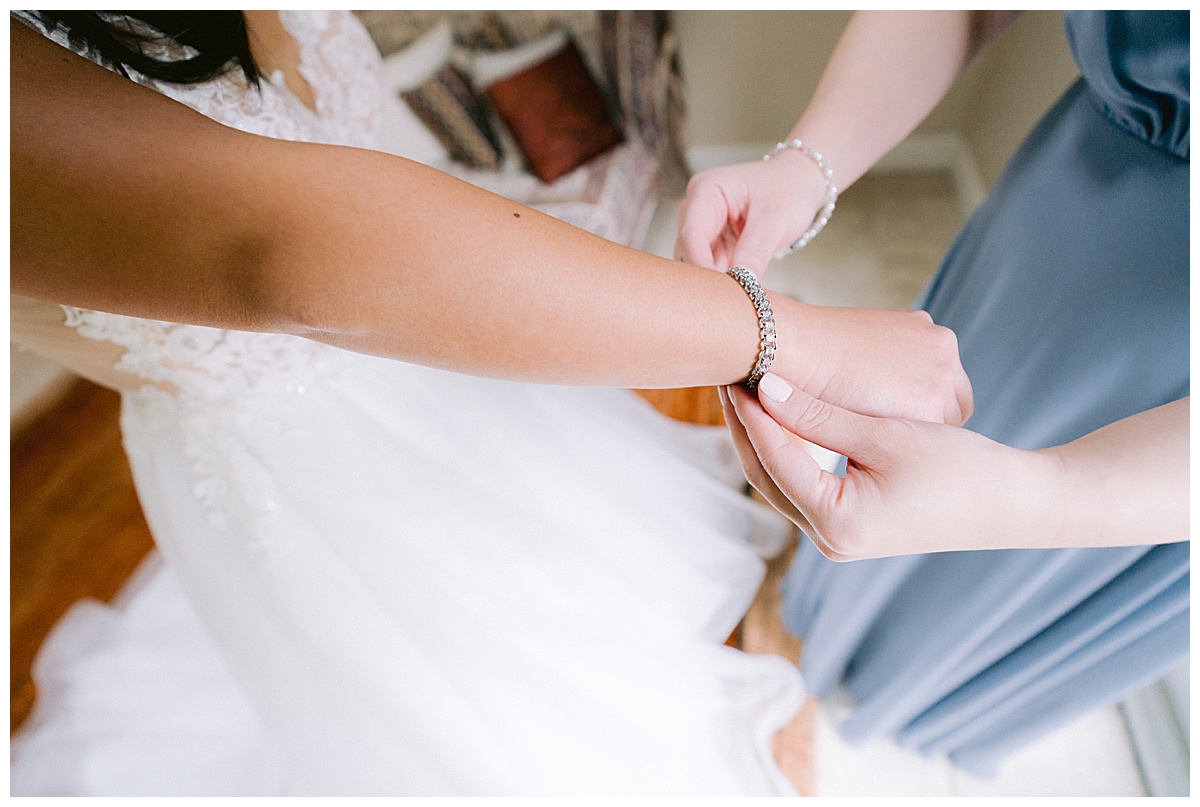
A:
[775,388]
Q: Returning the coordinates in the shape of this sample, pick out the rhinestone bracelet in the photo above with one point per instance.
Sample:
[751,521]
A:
[766,323]
[822,218]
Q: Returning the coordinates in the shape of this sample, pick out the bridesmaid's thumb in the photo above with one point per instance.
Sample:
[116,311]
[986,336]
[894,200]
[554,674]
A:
[815,420]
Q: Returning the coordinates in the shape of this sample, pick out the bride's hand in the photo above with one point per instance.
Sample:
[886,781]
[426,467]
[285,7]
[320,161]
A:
[875,362]
[744,214]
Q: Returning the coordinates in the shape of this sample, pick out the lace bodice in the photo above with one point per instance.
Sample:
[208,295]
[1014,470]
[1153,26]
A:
[341,65]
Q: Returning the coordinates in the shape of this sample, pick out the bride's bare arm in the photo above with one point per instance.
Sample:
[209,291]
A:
[125,201]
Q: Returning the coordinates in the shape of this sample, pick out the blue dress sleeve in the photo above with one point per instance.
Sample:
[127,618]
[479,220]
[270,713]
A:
[1137,68]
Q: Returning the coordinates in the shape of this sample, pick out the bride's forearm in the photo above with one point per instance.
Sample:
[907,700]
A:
[126,201]
[442,273]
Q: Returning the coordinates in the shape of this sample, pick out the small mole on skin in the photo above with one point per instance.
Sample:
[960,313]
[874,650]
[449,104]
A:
[516,215]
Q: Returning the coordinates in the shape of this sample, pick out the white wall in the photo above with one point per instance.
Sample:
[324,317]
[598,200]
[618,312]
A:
[1021,76]
[748,74]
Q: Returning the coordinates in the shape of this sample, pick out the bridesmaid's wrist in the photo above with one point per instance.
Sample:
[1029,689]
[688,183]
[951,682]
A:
[806,185]
[1047,496]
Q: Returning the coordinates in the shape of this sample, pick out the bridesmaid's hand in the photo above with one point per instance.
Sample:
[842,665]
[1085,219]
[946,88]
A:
[745,214]
[909,488]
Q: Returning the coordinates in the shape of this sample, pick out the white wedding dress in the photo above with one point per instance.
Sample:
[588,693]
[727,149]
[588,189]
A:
[378,578]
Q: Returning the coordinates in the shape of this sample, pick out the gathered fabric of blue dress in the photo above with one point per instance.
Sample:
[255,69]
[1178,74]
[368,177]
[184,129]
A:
[1068,291]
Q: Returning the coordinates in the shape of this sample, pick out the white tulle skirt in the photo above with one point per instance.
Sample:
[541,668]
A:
[398,581]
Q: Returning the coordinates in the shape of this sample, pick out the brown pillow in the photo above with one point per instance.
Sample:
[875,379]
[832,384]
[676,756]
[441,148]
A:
[449,106]
[556,113]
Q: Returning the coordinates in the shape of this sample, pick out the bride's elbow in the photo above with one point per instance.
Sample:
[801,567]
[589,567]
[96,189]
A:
[268,291]
[278,304]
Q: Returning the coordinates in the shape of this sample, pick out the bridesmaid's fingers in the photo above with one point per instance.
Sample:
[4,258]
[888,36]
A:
[702,216]
[755,473]
[760,239]
[733,401]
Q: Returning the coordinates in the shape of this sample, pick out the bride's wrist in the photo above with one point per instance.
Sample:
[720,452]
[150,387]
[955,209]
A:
[793,356]
[792,360]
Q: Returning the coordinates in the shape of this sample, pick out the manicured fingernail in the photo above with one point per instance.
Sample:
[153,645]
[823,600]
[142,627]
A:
[775,388]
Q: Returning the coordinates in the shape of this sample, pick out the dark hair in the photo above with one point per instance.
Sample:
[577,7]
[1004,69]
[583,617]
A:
[218,39]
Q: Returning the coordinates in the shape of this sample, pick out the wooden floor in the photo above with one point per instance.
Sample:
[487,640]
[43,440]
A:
[77,531]
[76,527]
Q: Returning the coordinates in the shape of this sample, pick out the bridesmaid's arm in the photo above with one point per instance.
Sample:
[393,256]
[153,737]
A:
[123,200]
[887,73]
[1127,483]
[913,487]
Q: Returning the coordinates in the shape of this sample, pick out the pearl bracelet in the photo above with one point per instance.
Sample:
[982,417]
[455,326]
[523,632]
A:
[766,323]
[831,192]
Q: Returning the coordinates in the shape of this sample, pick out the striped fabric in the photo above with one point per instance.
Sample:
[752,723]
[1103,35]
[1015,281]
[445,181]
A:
[448,105]
[631,53]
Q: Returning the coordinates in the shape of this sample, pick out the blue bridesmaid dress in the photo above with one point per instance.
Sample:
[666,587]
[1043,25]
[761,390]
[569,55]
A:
[1068,290]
